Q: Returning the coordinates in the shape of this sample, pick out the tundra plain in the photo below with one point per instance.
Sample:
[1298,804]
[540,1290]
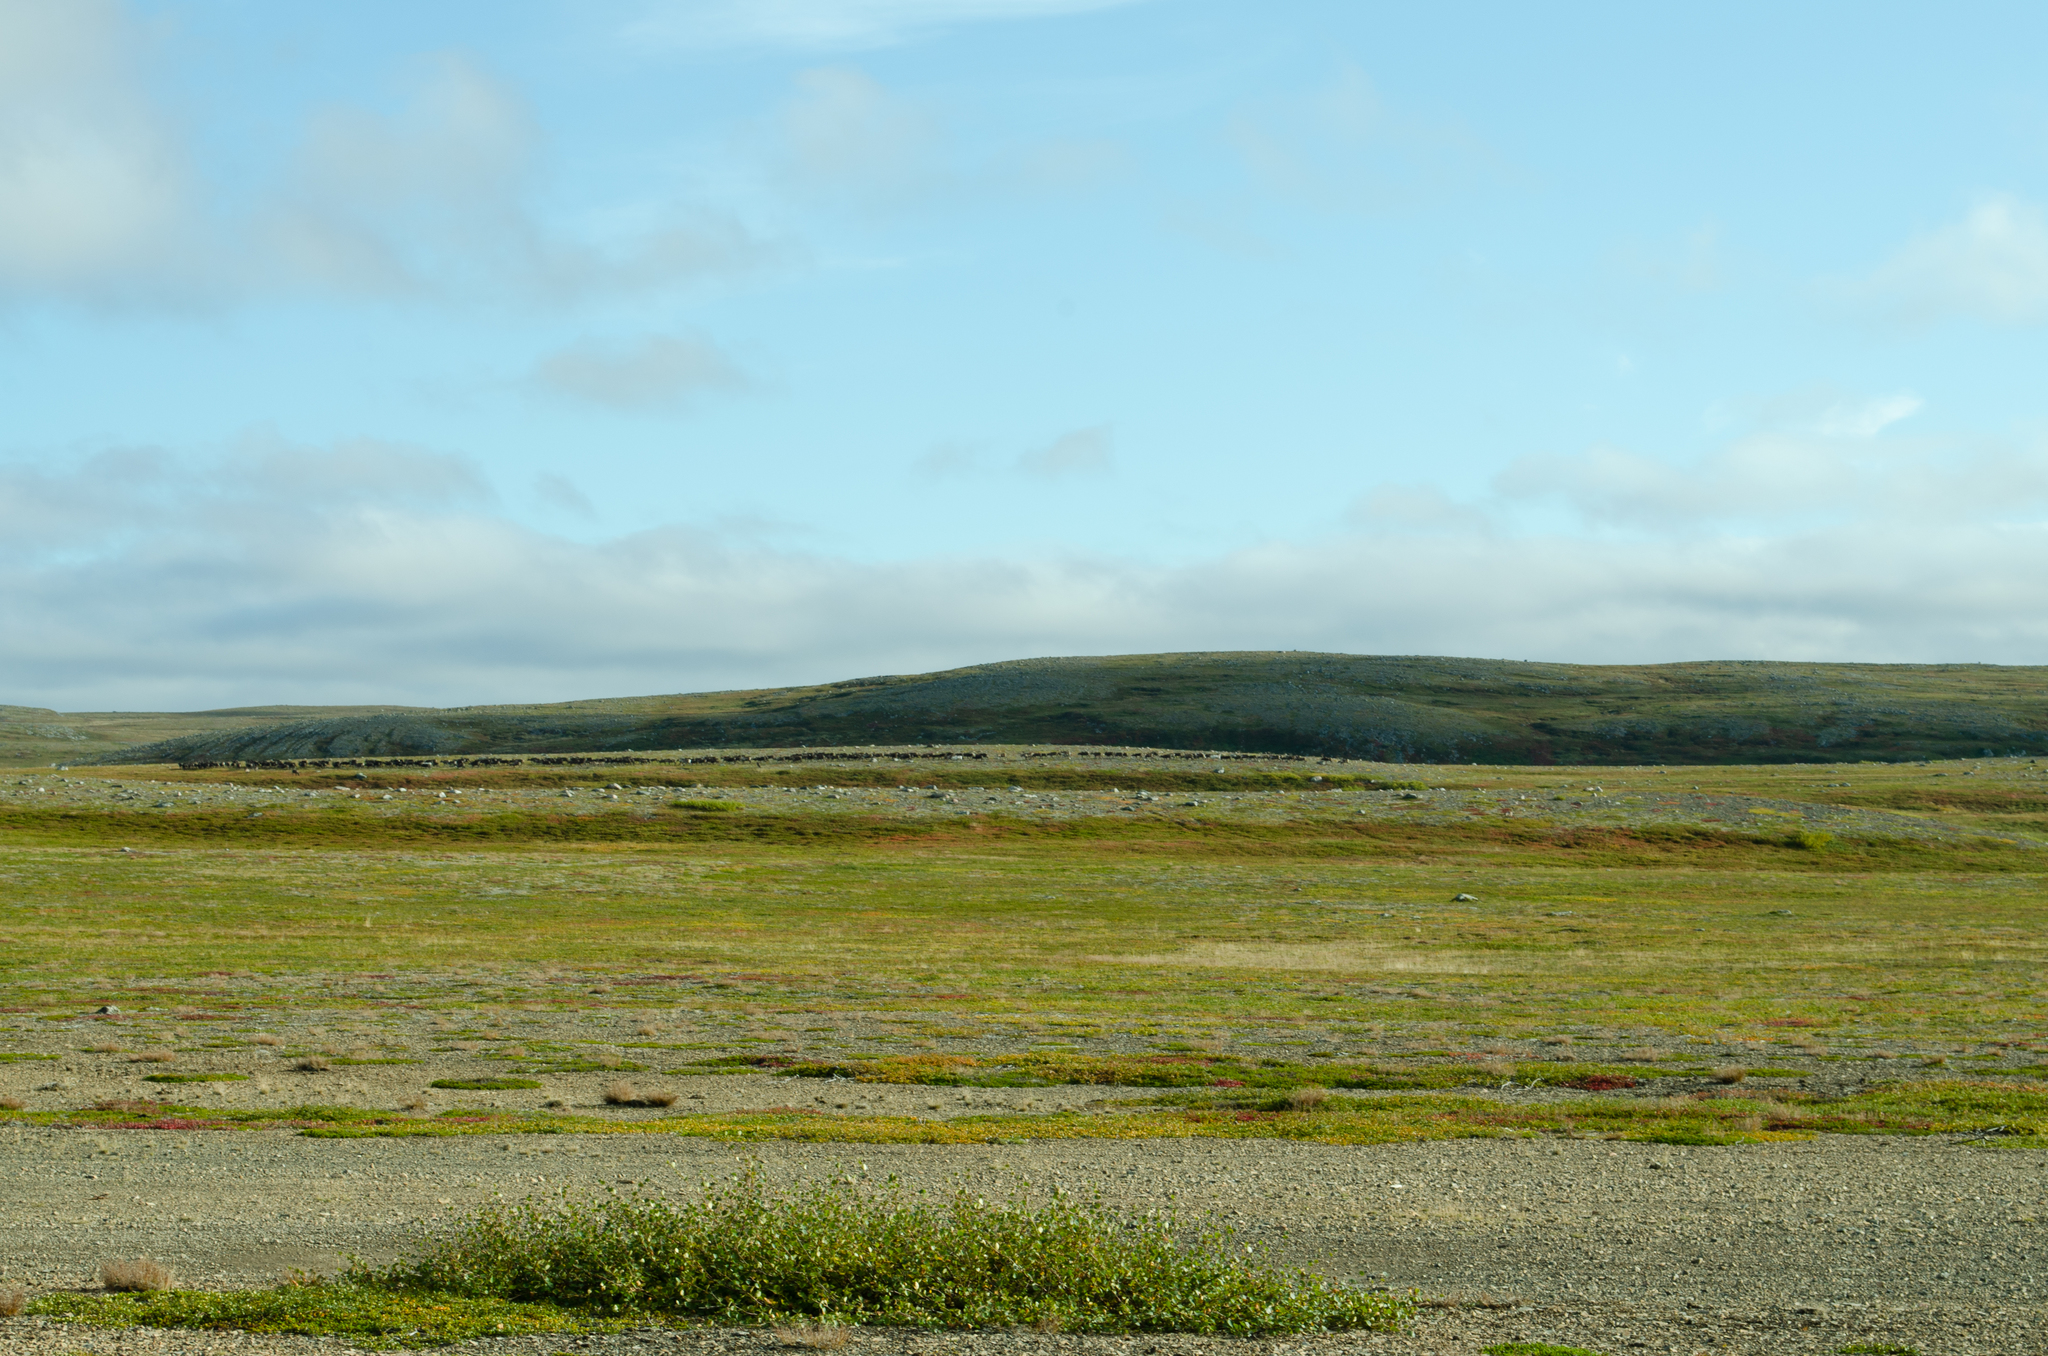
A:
[1742,1058]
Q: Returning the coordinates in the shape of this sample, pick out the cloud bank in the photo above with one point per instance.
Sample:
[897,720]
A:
[371,572]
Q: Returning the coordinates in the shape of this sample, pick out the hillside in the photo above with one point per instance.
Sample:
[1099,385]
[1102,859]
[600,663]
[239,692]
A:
[1396,709]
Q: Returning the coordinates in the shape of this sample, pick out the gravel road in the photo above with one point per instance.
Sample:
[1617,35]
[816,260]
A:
[1779,1248]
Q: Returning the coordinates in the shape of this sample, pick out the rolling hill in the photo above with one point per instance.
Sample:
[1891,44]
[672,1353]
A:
[1390,708]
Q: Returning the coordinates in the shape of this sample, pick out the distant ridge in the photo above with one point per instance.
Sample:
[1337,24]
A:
[1388,708]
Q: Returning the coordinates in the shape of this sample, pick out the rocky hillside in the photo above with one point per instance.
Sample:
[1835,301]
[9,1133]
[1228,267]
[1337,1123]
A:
[1392,708]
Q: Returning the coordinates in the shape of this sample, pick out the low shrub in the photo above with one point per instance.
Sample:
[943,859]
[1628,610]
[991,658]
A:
[625,1094]
[708,806]
[196,1078]
[838,1254]
[12,1301]
[137,1273]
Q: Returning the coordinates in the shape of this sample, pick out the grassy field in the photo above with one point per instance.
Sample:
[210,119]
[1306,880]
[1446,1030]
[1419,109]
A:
[1322,948]
[991,946]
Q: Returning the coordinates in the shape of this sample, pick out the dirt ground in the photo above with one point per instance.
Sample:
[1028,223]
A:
[1795,1247]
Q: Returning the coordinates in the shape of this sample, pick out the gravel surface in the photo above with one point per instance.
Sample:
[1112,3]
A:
[1586,807]
[1795,1247]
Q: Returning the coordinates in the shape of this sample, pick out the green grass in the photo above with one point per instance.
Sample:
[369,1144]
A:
[2010,1112]
[844,1254]
[484,1084]
[1031,1070]
[1877,1349]
[1328,941]
[378,1320]
[832,1252]
[1537,1349]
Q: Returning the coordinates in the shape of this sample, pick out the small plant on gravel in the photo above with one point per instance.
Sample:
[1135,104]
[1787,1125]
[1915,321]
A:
[1307,1099]
[136,1273]
[833,1252]
[152,1057]
[1730,1073]
[13,1299]
[816,1336]
[413,1103]
[266,1040]
[1536,1349]
[1877,1349]
[312,1064]
[485,1084]
[103,1048]
[11,1104]
[625,1094]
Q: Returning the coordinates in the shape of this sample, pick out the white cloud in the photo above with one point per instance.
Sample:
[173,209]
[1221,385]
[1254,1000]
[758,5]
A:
[658,371]
[1341,148]
[1992,265]
[432,200]
[561,494]
[1866,418]
[143,581]
[1414,508]
[829,24]
[1084,452]
[101,200]
[1819,455]
[95,192]
[843,135]
[947,460]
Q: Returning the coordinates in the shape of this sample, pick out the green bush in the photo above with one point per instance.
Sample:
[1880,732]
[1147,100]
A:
[707,806]
[833,1252]
[1535,1349]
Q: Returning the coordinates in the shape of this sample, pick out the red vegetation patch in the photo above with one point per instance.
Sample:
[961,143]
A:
[1602,1083]
[1227,1083]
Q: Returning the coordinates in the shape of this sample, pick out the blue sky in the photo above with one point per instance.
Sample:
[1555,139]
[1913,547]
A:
[467,352]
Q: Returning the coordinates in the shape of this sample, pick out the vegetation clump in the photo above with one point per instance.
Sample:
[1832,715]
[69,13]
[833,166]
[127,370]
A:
[834,1252]
[485,1084]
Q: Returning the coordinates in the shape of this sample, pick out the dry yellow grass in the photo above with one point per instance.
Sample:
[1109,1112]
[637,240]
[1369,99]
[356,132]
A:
[136,1273]
[12,1301]
[623,1093]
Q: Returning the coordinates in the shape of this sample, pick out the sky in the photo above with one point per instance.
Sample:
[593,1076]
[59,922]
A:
[531,350]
